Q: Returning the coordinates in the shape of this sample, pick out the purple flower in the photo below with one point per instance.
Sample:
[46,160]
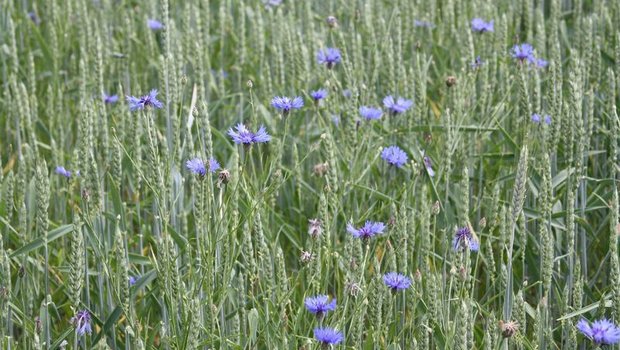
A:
[271,3]
[328,57]
[397,106]
[336,120]
[478,62]
[217,74]
[478,25]
[214,165]
[370,229]
[523,52]
[320,305]
[547,119]
[34,18]
[246,137]
[395,281]
[464,238]
[428,165]
[394,156]
[318,94]
[423,24]
[370,113]
[535,118]
[155,24]
[145,101]
[600,331]
[285,104]
[60,170]
[328,336]
[196,166]
[540,63]
[132,280]
[81,321]
[110,99]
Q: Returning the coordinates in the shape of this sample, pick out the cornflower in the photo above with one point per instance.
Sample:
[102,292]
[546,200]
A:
[370,113]
[370,229]
[246,137]
[396,281]
[397,106]
[140,103]
[328,336]
[81,321]
[394,156]
[285,104]
[601,331]
[465,238]
[320,305]
[478,25]
[328,57]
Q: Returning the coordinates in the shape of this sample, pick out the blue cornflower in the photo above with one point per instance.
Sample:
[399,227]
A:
[81,320]
[336,120]
[478,62]
[478,25]
[196,166]
[523,52]
[214,165]
[370,229]
[219,74]
[285,104]
[394,156]
[600,332]
[320,305]
[370,113]
[155,24]
[428,165]
[540,63]
[396,281]
[34,18]
[246,137]
[145,101]
[465,238]
[328,57]
[536,118]
[318,94]
[328,336]
[547,119]
[271,3]
[423,24]
[60,170]
[110,99]
[397,106]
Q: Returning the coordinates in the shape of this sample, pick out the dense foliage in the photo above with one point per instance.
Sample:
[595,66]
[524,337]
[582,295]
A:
[249,174]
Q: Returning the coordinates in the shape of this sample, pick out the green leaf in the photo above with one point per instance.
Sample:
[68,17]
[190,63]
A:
[109,323]
[113,190]
[63,336]
[583,310]
[139,259]
[38,243]
[253,323]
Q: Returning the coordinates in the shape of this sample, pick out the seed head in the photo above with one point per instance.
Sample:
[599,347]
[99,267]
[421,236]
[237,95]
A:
[509,328]
[332,22]
[223,177]
[451,81]
[320,169]
[314,228]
